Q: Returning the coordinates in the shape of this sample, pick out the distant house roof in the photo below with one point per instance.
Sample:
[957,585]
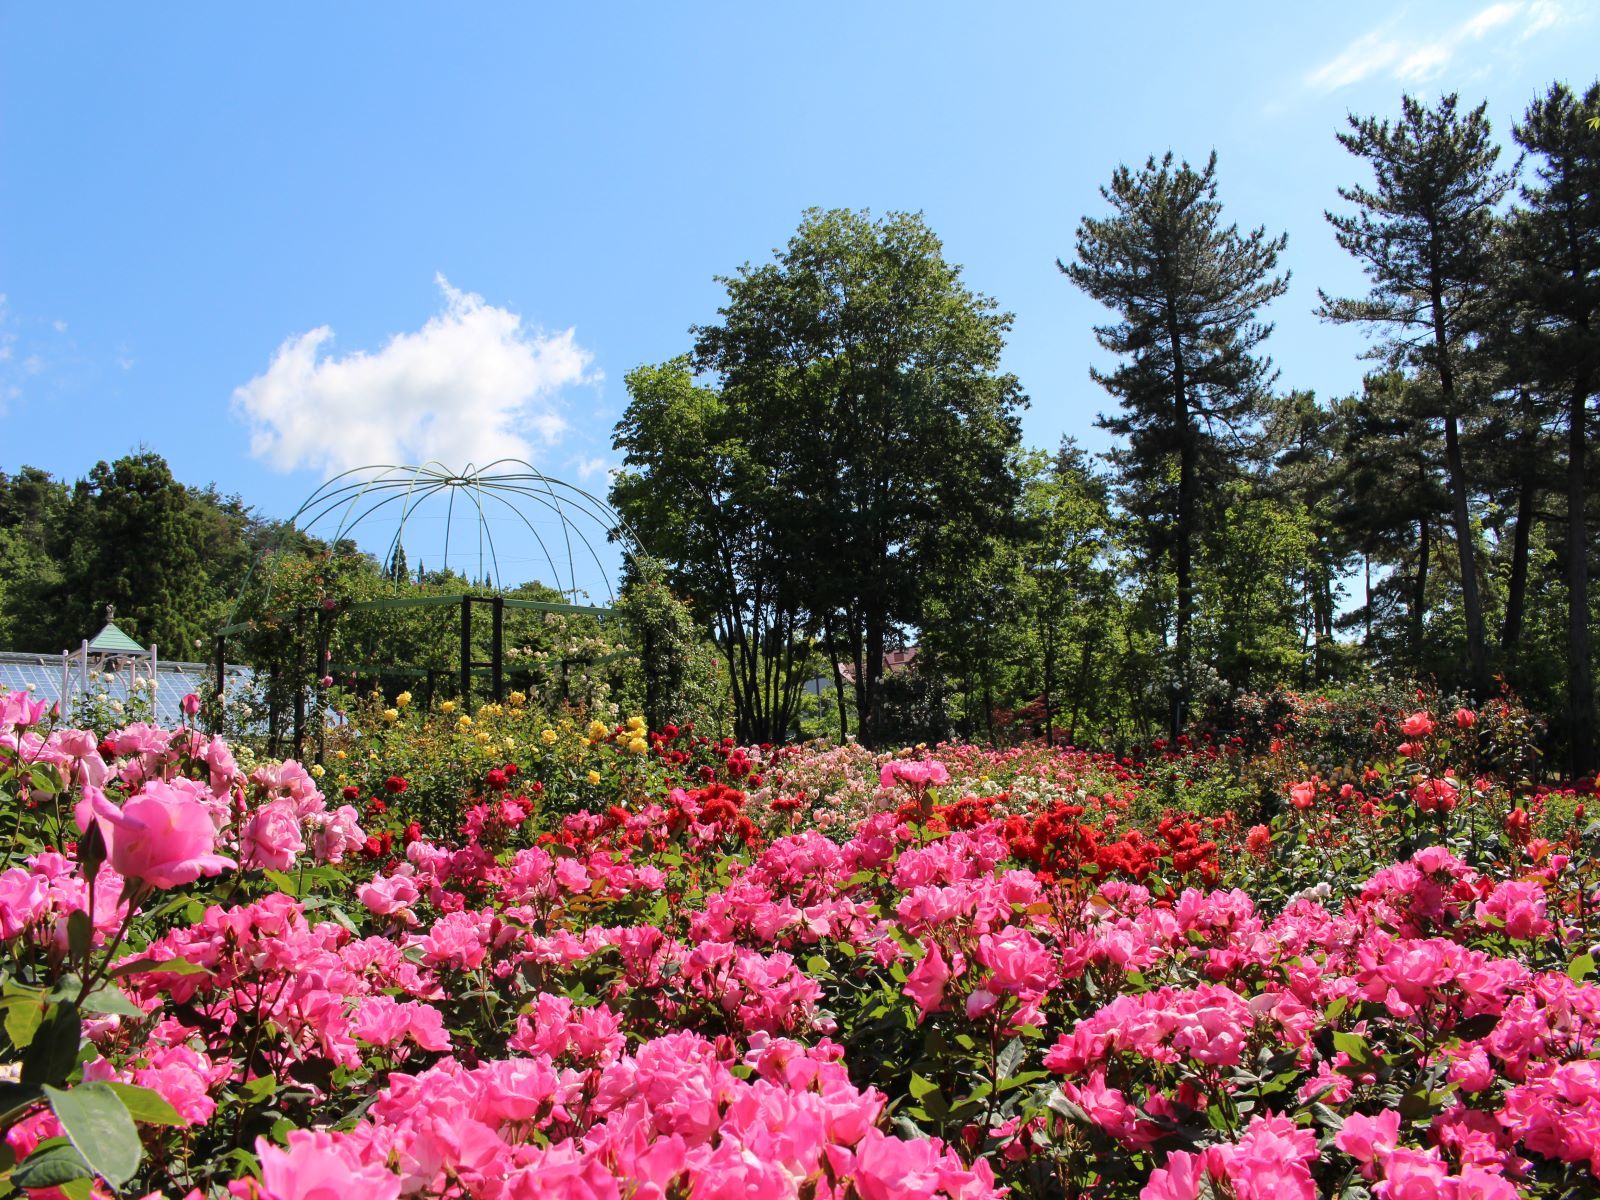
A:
[112,640]
[893,660]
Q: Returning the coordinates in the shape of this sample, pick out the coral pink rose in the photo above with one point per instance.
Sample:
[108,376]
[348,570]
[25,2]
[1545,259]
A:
[915,775]
[1417,725]
[1434,794]
[163,836]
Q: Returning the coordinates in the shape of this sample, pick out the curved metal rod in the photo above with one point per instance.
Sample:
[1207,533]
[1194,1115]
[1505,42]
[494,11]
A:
[399,530]
[415,484]
[449,520]
[387,500]
[523,517]
[567,525]
[483,528]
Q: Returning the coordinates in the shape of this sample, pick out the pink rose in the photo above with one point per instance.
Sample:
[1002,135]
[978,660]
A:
[1465,719]
[317,1166]
[1417,725]
[1368,1139]
[926,982]
[163,836]
[18,710]
[271,838]
[917,775]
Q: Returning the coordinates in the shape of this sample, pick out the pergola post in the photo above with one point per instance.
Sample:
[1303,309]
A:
[299,680]
[466,652]
[497,647]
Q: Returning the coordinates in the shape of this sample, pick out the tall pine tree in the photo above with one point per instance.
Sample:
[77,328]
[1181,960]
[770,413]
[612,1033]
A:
[1424,235]
[1188,290]
[1556,276]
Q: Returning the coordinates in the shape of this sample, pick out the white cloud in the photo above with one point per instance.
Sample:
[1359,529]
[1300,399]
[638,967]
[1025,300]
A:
[472,385]
[1369,53]
[1424,63]
[1489,18]
[58,325]
[1541,15]
[1412,58]
[588,468]
[9,390]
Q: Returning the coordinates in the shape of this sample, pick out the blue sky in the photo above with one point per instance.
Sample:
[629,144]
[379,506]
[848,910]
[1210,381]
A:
[272,243]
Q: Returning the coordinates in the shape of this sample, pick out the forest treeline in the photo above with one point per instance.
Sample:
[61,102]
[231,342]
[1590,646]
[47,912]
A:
[834,466]
[834,470]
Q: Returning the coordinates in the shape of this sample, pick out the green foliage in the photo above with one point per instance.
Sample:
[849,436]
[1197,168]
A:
[678,677]
[167,556]
[859,424]
[1187,291]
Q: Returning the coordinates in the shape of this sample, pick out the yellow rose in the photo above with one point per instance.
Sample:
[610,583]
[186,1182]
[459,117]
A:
[598,732]
[391,715]
[317,771]
[340,754]
[638,746]
[447,706]
[636,724]
[464,722]
[483,738]
[518,699]
[548,737]
[594,777]
[402,700]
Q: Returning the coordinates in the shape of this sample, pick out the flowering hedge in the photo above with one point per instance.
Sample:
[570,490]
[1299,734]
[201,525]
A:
[712,970]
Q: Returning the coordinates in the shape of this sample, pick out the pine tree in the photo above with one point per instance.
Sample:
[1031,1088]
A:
[1556,275]
[1188,291]
[1423,234]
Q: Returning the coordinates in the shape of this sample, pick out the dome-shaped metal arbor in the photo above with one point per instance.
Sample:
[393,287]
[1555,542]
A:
[563,521]
[510,486]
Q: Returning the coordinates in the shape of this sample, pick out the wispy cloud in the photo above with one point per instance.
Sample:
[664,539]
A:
[589,468]
[471,386]
[10,389]
[1367,55]
[1411,56]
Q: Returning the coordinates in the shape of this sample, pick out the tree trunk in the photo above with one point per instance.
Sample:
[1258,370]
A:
[1461,518]
[871,722]
[838,677]
[1366,617]
[1580,679]
[1183,547]
[1079,690]
[1419,603]
[1517,587]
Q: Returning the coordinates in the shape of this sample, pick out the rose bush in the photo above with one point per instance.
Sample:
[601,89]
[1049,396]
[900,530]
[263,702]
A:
[683,968]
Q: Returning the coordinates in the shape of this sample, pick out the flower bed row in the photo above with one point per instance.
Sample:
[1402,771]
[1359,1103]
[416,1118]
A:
[990,971]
